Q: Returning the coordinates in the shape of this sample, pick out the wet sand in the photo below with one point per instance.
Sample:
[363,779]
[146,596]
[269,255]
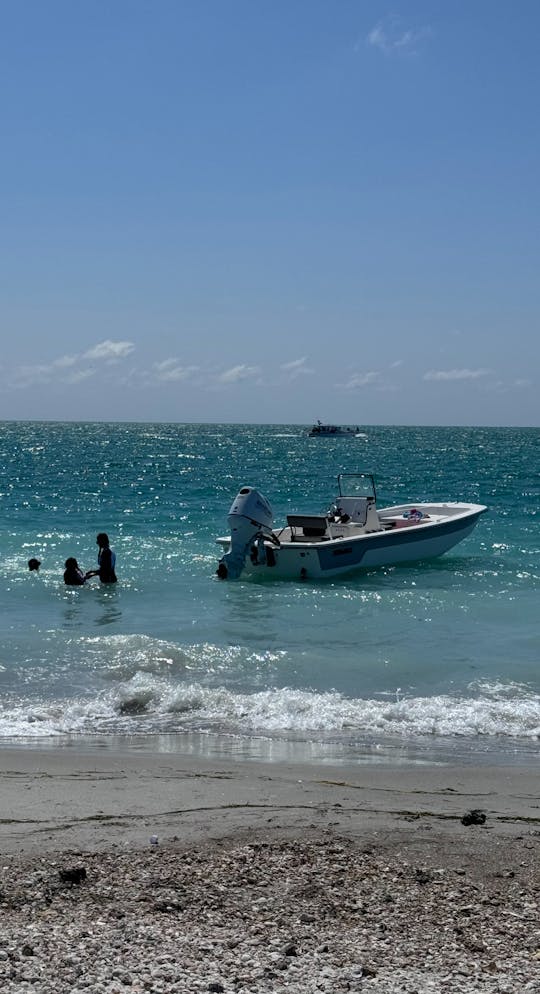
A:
[54,799]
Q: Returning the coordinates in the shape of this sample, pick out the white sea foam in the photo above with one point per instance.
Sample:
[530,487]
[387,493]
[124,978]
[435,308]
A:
[148,703]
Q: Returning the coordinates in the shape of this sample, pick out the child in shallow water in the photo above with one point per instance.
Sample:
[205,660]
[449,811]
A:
[73,574]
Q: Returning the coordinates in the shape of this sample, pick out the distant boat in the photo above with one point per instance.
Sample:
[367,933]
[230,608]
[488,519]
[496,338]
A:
[333,431]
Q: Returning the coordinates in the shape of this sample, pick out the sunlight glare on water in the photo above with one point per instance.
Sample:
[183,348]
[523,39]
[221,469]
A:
[427,653]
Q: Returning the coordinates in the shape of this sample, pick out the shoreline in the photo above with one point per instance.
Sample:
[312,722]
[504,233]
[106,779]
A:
[333,751]
[91,799]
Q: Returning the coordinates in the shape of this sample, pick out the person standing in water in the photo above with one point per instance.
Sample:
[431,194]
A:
[33,565]
[106,560]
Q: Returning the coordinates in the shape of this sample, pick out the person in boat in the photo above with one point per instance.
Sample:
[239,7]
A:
[33,565]
[73,574]
[106,560]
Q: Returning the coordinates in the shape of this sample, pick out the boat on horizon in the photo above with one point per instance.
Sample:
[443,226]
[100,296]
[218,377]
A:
[321,430]
[351,535]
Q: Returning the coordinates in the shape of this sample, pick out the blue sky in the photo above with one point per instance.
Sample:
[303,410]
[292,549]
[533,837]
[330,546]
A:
[270,211]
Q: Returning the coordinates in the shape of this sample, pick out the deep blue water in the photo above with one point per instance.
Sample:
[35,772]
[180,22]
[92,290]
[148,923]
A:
[417,657]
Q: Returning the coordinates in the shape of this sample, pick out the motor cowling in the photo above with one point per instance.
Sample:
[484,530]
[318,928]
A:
[250,518]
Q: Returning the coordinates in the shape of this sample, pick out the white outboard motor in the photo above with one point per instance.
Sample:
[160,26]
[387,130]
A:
[250,519]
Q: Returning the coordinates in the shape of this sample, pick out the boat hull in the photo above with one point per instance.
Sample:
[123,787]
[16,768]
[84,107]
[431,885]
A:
[333,431]
[350,553]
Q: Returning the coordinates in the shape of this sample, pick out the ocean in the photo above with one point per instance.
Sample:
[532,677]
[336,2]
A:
[419,662]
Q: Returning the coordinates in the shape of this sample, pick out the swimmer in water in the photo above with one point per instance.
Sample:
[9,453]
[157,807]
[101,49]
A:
[106,560]
[73,574]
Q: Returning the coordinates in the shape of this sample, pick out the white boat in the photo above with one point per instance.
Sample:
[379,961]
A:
[332,431]
[352,534]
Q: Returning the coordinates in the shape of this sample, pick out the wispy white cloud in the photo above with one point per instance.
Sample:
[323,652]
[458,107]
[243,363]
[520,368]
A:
[45,371]
[27,376]
[390,36]
[172,370]
[358,380]
[70,369]
[109,350]
[79,375]
[456,374]
[238,373]
[506,387]
[64,362]
[297,367]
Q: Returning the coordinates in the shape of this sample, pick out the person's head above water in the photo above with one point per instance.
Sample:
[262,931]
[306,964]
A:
[34,564]
[102,540]
[73,574]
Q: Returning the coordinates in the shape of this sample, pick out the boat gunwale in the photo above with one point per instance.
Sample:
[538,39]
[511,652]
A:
[398,536]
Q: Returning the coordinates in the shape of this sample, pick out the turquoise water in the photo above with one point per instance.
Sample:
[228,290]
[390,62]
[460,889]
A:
[437,656]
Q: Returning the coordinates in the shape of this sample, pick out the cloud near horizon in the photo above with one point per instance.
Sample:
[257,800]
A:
[238,373]
[362,380]
[107,359]
[297,367]
[109,350]
[79,375]
[172,370]
[64,369]
[456,374]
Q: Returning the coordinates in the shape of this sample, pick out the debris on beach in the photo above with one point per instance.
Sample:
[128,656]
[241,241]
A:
[73,875]
[310,915]
[474,817]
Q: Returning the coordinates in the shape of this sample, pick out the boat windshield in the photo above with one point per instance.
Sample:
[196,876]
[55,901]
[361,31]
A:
[356,485]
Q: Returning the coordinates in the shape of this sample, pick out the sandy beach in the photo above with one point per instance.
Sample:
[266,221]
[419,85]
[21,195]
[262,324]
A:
[165,873]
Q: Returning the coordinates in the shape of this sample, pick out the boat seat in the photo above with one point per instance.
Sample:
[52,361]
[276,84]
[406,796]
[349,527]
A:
[311,525]
[355,507]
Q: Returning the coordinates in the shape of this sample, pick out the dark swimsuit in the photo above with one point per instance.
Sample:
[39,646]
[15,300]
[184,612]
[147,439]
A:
[107,560]
[74,578]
